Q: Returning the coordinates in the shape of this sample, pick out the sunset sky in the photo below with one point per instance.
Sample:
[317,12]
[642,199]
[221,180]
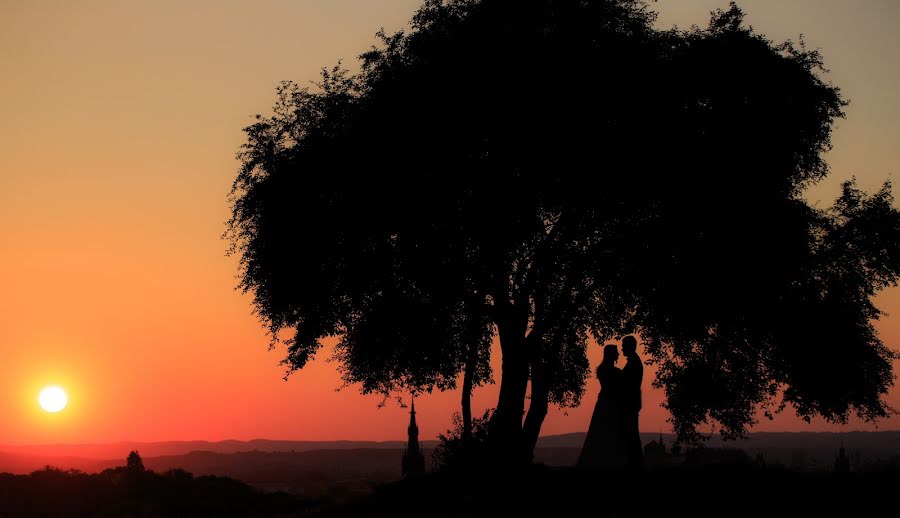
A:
[119,122]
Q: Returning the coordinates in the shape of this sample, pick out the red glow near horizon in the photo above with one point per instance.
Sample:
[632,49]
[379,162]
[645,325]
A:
[120,123]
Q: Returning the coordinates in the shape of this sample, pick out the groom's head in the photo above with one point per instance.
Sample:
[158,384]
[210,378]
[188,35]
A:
[629,345]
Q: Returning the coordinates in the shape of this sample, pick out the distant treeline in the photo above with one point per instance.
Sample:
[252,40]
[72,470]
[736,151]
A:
[135,492]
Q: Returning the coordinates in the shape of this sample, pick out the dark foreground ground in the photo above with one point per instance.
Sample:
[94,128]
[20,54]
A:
[123,492]
[552,492]
[538,491]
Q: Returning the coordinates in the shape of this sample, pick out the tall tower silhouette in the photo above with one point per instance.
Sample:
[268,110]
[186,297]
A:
[413,459]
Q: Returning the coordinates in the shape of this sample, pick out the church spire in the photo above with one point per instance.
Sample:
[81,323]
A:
[413,459]
[413,428]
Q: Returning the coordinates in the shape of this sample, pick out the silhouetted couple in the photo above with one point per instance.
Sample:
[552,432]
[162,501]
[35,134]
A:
[613,439]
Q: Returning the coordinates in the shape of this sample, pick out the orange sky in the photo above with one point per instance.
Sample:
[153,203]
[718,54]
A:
[118,127]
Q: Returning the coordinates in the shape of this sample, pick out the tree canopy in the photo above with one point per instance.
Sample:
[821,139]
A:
[550,171]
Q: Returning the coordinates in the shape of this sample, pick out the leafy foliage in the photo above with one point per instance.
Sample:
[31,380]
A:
[548,171]
[455,453]
[134,462]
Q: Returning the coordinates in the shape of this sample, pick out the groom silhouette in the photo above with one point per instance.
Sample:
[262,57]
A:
[632,376]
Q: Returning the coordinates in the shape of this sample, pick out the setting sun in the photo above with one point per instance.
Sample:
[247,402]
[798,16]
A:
[53,399]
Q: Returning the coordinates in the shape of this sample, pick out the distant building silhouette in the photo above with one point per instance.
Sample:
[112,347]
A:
[413,459]
[655,452]
[721,457]
[842,461]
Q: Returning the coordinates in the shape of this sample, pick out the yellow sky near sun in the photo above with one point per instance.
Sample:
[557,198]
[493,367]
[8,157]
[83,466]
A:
[118,127]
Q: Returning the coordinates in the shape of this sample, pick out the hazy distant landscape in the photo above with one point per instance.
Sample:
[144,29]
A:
[363,478]
[317,468]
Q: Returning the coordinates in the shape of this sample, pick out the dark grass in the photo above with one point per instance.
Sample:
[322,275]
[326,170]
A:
[675,492]
[720,491]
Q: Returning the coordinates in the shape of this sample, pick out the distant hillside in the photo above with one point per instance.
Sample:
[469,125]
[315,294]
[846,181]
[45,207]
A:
[156,449]
[315,468]
[310,473]
[85,452]
[869,441]
[15,463]
[798,450]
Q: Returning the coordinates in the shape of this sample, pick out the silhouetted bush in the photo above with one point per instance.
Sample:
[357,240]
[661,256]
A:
[134,462]
[455,453]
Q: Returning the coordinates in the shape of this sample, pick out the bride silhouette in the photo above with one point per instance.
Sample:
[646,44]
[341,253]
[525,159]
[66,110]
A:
[604,446]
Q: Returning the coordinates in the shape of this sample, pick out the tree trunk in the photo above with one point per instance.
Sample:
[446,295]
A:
[537,410]
[505,432]
[468,376]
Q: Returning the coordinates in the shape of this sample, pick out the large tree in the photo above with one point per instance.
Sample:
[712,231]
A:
[546,171]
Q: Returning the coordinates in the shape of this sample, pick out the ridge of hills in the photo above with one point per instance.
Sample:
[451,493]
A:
[317,468]
[119,450]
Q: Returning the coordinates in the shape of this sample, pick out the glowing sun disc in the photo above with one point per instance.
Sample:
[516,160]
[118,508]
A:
[53,399]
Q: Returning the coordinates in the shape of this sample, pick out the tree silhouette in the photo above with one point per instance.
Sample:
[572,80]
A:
[548,171]
[134,463]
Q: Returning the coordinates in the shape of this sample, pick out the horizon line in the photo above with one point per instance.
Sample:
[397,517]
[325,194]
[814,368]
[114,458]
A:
[211,441]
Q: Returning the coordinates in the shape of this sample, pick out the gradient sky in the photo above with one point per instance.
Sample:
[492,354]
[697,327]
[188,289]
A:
[119,122]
